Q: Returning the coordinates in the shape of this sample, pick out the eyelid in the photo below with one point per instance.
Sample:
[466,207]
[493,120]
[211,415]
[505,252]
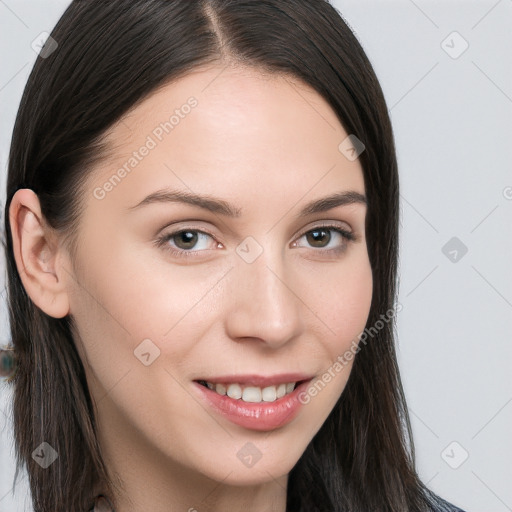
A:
[317,224]
[326,223]
[347,234]
[186,225]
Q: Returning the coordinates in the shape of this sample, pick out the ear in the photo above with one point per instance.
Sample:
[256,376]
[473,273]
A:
[37,255]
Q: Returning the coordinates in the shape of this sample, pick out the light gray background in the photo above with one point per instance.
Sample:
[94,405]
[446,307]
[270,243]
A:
[452,121]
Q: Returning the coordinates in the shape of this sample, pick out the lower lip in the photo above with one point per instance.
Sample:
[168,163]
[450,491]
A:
[261,416]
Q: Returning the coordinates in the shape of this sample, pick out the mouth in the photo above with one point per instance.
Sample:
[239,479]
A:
[250,393]
[254,402]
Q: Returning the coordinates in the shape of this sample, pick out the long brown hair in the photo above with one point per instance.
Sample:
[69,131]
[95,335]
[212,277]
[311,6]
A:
[110,56]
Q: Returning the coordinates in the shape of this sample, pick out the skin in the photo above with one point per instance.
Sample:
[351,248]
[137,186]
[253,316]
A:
[267,144]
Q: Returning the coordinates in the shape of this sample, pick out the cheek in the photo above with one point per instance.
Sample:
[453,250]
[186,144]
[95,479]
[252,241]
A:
[347,311]
[342,300]
[344,309]
[123,297]
[108,304]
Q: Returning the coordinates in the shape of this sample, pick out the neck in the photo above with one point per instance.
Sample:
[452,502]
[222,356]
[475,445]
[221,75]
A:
[146,479]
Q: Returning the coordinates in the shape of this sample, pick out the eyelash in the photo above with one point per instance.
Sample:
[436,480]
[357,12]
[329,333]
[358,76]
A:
[180,253]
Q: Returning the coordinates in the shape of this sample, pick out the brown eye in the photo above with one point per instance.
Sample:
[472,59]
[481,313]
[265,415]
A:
[321,236]
[185,239]
[184,242]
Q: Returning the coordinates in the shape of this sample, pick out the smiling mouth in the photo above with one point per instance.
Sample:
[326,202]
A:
[252,394]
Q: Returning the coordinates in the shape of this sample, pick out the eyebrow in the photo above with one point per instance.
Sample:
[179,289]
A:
[216,205]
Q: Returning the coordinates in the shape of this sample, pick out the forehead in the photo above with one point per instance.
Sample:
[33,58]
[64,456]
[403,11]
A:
[224,129]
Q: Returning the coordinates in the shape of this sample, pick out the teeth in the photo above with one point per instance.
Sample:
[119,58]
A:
[268,394]
[234,391]
[253,393]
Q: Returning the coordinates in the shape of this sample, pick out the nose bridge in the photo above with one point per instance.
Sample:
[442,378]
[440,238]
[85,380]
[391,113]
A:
[264,305]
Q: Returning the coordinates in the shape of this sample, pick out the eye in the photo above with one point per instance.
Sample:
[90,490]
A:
[321,236]
[185,241]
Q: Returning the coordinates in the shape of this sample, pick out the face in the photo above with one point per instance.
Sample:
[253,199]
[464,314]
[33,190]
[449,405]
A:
[166,293]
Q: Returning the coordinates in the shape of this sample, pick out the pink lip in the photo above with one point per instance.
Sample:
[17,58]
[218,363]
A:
[258,380]
[262,416]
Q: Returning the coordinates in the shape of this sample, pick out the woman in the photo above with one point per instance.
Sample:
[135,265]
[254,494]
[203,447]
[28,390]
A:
[255,368]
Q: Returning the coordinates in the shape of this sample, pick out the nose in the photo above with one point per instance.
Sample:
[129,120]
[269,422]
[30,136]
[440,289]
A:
[263,304]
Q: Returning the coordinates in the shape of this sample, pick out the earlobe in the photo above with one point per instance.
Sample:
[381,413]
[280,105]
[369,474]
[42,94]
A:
[37,255]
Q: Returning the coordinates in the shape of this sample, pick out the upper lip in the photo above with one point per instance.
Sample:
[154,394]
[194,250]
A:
[258,380]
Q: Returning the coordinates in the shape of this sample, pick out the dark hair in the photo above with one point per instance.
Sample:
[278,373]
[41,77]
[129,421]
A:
[110,56]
